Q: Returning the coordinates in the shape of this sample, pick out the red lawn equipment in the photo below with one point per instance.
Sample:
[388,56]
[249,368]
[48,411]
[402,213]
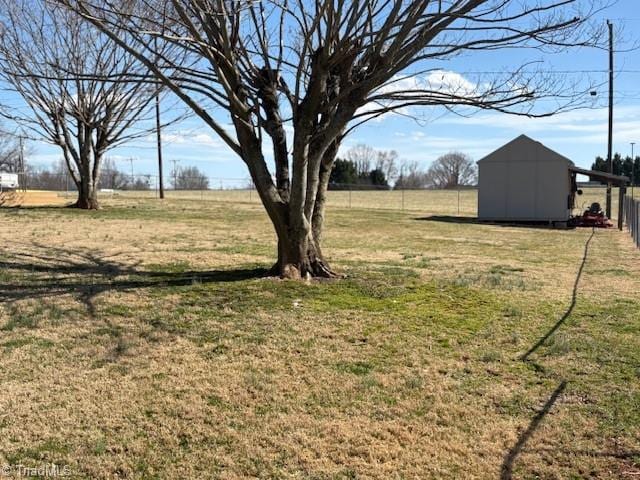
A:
[594,217]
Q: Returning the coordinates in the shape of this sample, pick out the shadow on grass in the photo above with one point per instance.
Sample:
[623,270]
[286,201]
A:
[572,305]
[506,472]
[87,274]
[476,221]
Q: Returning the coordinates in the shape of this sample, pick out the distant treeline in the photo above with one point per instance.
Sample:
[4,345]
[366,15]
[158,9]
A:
[57,178]
[367,168]
[626,166]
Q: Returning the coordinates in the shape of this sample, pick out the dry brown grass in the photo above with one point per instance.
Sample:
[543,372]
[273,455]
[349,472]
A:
[133,347]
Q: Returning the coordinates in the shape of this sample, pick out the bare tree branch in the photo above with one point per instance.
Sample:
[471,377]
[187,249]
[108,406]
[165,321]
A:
[300,75]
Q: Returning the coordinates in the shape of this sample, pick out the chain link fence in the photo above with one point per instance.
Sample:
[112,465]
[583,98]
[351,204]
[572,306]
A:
[462,201]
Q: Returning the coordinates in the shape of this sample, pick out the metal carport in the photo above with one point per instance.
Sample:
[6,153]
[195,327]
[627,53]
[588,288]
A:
[606,178]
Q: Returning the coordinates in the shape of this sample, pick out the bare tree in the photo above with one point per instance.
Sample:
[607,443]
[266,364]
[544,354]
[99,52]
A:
[323,67]
[71,78]
[452,170]
[190,178]
[411,176]
[53,178]
[112,177]
[362,156]
[386,162]
[9,152]
[367,158]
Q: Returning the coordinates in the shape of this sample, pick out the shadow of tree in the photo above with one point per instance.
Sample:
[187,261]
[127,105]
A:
[512,454]
[574,297]
[506,472]
[475,221]
[86,274]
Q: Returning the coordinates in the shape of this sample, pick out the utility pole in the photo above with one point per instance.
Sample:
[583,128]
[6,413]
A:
[159,140]
[20,155]
[158,131]
[610,142]
[633,169]
[21,164]
[132,182]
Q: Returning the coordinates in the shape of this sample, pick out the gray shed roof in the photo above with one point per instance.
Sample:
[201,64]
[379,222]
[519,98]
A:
[524,144]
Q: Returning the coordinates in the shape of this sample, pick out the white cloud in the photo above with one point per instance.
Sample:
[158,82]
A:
[440,81]
[194,138]
[578,126]
[450,82]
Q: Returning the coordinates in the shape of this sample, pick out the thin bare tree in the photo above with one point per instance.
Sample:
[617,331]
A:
[71,78]
[411,176]
[112,177]
[362,156]
[386,162]
[366,158]
[300,75]
[9,152]
[190,178]
[452,170]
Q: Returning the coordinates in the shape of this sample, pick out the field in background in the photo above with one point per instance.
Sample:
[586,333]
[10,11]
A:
[140,342]
[436,202]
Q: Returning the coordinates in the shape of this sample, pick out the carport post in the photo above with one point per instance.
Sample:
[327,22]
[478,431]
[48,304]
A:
[622,190]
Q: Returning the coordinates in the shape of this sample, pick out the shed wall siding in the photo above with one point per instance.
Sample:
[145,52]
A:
[492,196]
[523,181]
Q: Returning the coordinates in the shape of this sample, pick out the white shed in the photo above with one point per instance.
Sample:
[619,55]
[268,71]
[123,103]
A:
[524,181]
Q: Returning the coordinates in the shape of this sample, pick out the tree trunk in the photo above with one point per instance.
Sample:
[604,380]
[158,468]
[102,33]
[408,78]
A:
[299,230]
[299,249]
[87,194]
[299,256]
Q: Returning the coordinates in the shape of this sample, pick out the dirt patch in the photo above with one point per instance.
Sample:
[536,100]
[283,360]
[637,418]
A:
[32,199]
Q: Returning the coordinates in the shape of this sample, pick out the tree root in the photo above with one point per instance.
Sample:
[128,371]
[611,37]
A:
[316,269]
[83,206]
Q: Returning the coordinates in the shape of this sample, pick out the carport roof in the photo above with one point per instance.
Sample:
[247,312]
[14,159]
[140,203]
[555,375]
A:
[602,176]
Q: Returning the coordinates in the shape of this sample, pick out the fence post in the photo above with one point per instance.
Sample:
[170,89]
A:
[637,221]
[632,217]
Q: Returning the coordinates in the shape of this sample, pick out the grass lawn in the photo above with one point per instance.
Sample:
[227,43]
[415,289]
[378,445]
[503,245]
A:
[141,342]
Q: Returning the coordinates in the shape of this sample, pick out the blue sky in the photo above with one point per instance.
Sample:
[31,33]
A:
[579,134]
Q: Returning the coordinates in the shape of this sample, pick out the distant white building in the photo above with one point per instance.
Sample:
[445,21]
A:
[9,181]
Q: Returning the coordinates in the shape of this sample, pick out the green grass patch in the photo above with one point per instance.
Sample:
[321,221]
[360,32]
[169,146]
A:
[34,342]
